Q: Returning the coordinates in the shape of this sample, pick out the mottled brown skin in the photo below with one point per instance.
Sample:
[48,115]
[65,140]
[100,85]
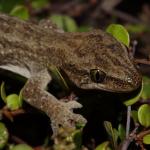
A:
[34,48]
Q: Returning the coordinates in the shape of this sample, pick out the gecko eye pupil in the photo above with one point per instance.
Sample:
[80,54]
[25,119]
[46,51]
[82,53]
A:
[97,75]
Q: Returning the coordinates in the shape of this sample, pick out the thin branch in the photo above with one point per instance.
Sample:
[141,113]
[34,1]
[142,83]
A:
[17,140]
[143,133]
[125,144]
[125,16]
[128,121]
[134,47]
[142,61]
[134,136]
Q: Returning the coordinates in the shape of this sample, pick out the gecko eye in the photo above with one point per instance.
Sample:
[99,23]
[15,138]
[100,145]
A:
[97,75]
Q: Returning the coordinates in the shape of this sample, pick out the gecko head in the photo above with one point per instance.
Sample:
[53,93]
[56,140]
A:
[102,63]
[99,79]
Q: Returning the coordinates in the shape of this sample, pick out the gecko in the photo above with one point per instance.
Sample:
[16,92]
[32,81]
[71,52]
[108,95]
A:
[90,60]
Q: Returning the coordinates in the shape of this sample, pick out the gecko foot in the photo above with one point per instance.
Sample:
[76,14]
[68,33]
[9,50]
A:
[65,117]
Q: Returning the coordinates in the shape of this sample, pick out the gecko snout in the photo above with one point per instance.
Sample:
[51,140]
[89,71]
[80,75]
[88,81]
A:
[134,80]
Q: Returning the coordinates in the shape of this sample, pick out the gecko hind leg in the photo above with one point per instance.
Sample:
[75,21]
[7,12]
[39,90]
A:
[60,113]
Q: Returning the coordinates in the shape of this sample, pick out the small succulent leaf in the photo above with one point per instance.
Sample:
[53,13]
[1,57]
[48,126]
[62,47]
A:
[134,99]
[20,98]
[22,147]
[3,135]
[13,102]
[137,28]
[146,88]
[64,22]
[146,139]
[77,138]
[120,33]
[37,4]
[108,127]
[20,11]
[103,146]
[7,5]
[113,134]
[121,132]
[56,75]
[134,115]
[70,24]
[58,20]
[80,125]
[3,92]
[83,29]
[144,115]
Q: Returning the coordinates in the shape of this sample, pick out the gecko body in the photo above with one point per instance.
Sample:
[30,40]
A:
[91,60]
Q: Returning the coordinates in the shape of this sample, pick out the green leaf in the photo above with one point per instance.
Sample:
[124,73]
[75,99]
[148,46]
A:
[3,135]
[137,28]
[21,12]
[56,75]
[113,133]
[20,100]
[57,19]
[134,115]
[103,146]
[77,138]
[8,5]
[70,24]
[13,101]
[3,93]
[64,22]
[83,29]
[37,4]
[22,147]
[121,132]
[144,115]
[146,139]
[146,88]
[134,99]
[120,33]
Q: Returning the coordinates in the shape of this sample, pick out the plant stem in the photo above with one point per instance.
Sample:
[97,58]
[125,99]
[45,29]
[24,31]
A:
[128,121]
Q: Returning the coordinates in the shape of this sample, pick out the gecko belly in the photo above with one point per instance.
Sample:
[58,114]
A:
[16,69]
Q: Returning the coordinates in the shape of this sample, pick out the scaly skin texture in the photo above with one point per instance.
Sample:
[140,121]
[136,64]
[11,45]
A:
[31,49]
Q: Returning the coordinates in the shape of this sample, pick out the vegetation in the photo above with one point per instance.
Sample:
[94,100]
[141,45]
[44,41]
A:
[132,126]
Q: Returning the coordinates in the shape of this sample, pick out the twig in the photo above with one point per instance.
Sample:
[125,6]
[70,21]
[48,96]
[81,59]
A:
[119,14]
[124,16]
[17,140]
[9,113]
[139,138]
[128,121]
[125,144]
[143,133]
[134,47]
[133,136]
[142,61]
[144,102]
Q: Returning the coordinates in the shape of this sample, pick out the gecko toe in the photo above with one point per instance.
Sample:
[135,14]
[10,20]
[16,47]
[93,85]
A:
[65,117]
[73,104]
[79,119]
[55,129]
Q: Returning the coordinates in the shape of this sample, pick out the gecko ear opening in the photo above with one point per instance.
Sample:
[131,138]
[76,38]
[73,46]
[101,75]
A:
[97,75]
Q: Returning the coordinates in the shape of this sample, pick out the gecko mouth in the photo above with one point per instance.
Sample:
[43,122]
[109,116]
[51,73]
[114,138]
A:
[115,85]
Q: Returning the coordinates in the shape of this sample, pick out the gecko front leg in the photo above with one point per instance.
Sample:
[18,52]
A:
[59,112]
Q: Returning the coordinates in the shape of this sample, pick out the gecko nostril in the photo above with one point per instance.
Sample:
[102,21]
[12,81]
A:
[129,80]
[134,80]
